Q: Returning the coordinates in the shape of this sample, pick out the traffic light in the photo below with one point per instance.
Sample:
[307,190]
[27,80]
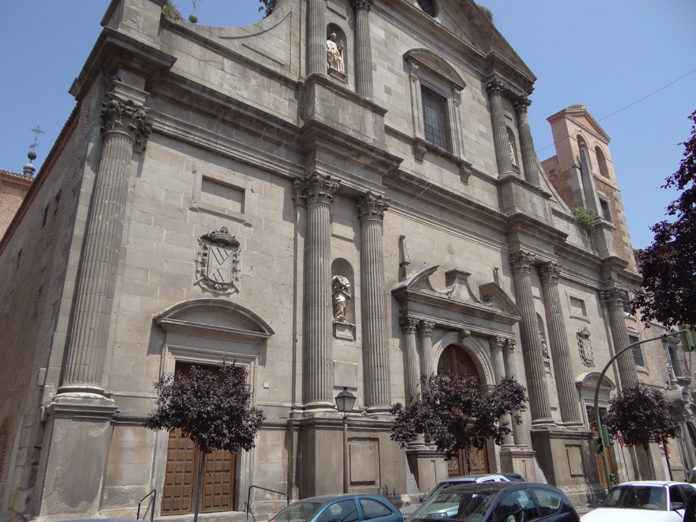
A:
[688,339]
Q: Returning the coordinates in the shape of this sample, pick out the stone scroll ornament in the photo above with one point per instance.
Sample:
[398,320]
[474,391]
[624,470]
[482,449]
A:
[341,294]
[585,347]
[218,261]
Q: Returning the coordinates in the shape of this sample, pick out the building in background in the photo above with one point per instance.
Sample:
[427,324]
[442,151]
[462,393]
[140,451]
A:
[13,189]
[345,194]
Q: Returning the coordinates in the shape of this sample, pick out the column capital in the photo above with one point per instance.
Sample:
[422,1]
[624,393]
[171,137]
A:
[408,324]
[362,4]
[522,104]
[494,86]
[549,273]
[318,189]
[127,117]
[510,345]
[426,328]
[522,261]
[497,85]
[615,295]
[372,206]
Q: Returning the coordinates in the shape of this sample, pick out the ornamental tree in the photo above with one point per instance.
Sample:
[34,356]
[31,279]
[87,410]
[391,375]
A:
[668,265]
[641,415]
[457,413]
[211,405]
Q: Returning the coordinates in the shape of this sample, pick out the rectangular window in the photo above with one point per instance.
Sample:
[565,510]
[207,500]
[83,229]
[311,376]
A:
[435,118]
[637,351]
[606,211]
[222,196]
[577,307]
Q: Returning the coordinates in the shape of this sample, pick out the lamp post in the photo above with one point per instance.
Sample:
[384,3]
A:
[344,404]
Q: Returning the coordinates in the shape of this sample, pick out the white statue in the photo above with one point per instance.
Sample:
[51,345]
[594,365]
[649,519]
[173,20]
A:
[334,54]
[340,290]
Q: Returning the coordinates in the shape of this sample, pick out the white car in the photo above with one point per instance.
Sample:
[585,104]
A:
[644,501]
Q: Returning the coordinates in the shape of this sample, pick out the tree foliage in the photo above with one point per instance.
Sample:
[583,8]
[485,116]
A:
[458,413]
[171,11]
[211,405]
[668,265]
[267,6]
[642,415]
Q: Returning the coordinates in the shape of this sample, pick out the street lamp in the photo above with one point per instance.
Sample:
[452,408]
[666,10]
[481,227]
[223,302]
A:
[344,404]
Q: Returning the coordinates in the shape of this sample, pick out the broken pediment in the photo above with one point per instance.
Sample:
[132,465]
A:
[487,310]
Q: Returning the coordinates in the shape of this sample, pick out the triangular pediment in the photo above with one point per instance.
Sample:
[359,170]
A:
[580,116]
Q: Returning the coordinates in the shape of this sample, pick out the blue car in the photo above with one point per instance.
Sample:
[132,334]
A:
[341,508]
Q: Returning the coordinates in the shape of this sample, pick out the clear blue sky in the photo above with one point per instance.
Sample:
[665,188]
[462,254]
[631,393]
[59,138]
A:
[605,54]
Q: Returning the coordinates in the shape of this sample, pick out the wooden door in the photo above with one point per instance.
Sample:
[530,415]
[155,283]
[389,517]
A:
[177,496]
[476,465]
[219,485]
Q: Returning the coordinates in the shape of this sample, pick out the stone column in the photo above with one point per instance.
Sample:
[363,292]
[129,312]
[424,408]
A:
[363,48]
[522,266]
[502,148]
[497,346]
[124,127]
[411,380]
[529,159]
[425,329]
[374,322]
[558,337]
[614,299]
[316,37]
[521,435]
[318,373]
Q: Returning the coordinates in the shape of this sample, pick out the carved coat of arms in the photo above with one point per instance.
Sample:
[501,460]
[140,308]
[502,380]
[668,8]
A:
[585,347]
[218,261]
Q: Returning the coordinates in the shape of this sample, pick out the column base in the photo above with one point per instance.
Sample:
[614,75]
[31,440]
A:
[519,459]
[77,439]
[567,460]
[428,466]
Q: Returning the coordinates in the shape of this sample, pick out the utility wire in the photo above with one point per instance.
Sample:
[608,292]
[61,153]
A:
[634,103]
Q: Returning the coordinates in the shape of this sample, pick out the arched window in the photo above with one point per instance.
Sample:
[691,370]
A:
[582,145]
[602,162]
[429,6]
[512,143]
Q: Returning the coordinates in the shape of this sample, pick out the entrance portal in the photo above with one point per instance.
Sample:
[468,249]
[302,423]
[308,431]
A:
[455,361]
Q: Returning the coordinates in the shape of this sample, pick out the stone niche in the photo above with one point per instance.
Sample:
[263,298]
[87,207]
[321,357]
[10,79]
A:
[343,299]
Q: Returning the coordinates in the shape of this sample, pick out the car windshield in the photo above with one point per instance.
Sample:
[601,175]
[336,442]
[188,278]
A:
[448,483]
[466,506]
[298,512]
[638,497]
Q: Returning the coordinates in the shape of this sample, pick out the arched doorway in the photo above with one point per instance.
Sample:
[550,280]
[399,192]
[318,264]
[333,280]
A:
[455,361]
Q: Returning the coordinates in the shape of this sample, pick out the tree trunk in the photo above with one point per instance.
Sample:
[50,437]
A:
[669,464]
[200,479]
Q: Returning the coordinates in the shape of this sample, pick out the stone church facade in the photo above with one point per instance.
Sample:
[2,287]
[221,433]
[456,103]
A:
[343,195]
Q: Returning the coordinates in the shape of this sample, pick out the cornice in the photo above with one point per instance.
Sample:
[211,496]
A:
[113,48]
[331,85]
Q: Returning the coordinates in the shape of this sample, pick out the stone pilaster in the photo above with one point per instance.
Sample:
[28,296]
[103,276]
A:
[497,346]
[425,328]
[124,128]
[522,266]
[374,322]
[521,435]
[316,37]
[529,159]
[502,149]
[615,298]
[317,379]
[363,48]
[560,351]
[408,328]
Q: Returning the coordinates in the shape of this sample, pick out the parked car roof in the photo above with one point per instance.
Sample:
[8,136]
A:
[330,498]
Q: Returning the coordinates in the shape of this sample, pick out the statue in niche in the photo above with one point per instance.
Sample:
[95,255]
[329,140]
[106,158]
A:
[341,293]
[334,54]
[585,347]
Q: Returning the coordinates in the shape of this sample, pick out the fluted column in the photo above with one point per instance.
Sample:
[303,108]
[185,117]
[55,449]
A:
[124,127]
[374,322]
[408,328]
[560,351]
[615,299]
[522,266]
[363,48]
[529,159]
[425,328]
[521,435]
[497,346]
[500,137]
[318,374]
[316,36]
